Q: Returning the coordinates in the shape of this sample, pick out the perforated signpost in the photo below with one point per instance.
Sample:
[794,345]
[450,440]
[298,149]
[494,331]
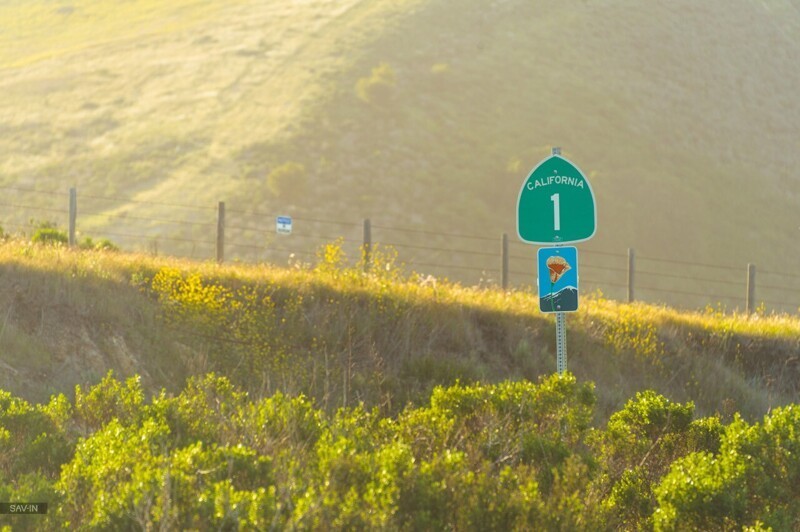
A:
[556,207]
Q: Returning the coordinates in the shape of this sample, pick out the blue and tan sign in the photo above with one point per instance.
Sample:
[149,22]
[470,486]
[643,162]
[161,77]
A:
[557,278]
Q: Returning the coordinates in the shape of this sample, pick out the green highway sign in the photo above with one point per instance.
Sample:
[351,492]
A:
[556,204]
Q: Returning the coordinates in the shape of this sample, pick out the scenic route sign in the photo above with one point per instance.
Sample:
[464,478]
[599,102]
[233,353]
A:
[556,204]
[557,277]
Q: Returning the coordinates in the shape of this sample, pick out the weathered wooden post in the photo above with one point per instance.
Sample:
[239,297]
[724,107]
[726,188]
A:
[367,244]
[221,232]
[73,214]
[631,260]
[504,262]
[751,289]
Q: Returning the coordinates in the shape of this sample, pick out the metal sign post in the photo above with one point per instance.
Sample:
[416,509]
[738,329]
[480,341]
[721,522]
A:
[561,343]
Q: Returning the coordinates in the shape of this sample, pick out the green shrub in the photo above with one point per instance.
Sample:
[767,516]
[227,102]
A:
[524,449]
[753,481]
[107,400]
[637,448]
[32,438]
[101,245]
[378,88]
[459,463]
[507,456]
[226,487]
[206,408]
[50,236]
[31,487]
[116,477]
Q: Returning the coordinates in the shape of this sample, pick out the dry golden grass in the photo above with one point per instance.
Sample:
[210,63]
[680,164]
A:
[341,336]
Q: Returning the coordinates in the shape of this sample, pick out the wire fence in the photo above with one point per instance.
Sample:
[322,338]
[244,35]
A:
[205,232]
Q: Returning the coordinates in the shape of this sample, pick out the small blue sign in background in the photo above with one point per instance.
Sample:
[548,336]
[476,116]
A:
[557,279]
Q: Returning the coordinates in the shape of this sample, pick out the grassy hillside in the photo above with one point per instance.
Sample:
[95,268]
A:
[424,114]
[342,400]
[341,337]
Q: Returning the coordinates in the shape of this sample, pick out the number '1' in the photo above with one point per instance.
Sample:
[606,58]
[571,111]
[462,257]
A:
[556,212]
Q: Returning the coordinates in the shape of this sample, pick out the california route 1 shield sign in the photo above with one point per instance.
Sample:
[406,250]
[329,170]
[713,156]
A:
[556,204]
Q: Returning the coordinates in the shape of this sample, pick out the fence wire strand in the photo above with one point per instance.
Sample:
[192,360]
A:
[494,270]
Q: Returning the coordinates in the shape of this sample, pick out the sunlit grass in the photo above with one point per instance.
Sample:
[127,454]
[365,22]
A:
[36,30]
[395,280]
[711,319]
[338,334]
[397,283]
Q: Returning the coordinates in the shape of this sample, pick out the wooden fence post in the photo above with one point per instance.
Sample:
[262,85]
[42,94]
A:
[751,289]
[221,232]
[367,246]
[73,214]
[504,262]
[631,272]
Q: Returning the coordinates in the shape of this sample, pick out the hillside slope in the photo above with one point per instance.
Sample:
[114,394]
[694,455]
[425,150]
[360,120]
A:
[424,114]
[341,337]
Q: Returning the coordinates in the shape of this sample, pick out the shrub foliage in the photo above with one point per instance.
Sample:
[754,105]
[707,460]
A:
[507,456]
